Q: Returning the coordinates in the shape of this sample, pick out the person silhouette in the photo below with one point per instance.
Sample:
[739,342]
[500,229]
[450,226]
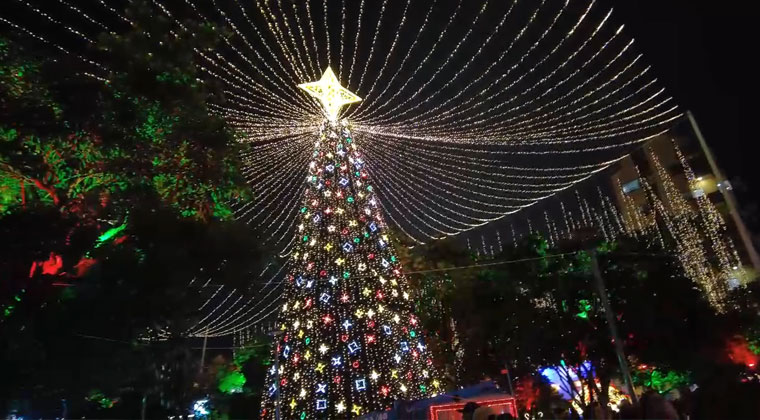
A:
[468,411]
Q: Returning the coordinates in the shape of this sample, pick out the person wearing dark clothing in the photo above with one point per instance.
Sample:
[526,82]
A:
[468,411]
[629,411]
[655,406]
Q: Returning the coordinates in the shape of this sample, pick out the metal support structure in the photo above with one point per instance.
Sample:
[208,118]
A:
[728,194]
[612,324]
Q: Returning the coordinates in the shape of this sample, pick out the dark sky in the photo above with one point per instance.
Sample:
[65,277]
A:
[701,52]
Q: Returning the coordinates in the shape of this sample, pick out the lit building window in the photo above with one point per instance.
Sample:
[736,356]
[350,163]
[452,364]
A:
[631,186]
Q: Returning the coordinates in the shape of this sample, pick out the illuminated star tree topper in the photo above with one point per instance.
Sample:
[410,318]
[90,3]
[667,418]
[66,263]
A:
[330,93]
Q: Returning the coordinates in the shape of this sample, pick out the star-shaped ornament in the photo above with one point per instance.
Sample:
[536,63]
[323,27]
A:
[341,407]
[330,94]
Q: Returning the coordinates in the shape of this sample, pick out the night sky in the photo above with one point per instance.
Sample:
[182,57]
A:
[700,52]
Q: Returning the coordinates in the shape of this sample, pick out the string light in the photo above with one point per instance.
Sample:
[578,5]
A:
[403,61]
[374,41]
[427,57]
[356,42]
[276,31]
[501,57]
[290,73]
[313,36]
[327,32]
[341,67]
[84,15]
[450,148]
[497,81]
[302,35]
[261,60]
[395,111]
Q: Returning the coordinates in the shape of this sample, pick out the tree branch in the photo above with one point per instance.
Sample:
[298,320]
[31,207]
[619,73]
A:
[13,172]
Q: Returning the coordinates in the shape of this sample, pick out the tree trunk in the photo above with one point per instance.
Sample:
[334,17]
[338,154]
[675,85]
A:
[50,190]
[604,395]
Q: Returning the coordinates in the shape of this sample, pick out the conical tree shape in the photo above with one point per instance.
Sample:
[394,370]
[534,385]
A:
[350,343]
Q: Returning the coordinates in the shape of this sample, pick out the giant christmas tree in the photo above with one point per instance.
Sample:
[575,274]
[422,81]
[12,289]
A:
[349,342]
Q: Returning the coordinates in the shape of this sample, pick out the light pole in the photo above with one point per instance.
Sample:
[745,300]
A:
[611,323]
[203,352]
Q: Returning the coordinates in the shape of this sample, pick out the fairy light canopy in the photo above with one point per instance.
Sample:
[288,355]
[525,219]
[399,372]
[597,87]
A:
[329,92]
[470,110]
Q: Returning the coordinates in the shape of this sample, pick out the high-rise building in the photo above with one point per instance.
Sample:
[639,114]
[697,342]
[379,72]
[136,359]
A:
[674,171]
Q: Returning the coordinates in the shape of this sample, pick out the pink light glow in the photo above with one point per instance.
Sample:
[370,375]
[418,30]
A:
[449,411]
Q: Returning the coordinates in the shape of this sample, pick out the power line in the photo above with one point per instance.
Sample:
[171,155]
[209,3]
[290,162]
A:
[489,264]
[113,340]
[523,260]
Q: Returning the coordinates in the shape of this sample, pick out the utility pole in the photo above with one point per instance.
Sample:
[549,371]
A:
[203,352]
[728,194]
[509,379]
[612,324]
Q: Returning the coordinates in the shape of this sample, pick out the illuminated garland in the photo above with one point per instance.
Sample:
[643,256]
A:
[692,251]
[459,130]
[714,226]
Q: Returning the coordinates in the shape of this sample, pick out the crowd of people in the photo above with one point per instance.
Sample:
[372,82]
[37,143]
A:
[733,403]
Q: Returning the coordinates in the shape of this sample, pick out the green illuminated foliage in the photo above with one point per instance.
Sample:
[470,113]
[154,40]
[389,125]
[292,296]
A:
[231,382]
[76,156]
[110,233]
[99,398]
[543,309]
[584,308]
[138,137]
[661,381]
